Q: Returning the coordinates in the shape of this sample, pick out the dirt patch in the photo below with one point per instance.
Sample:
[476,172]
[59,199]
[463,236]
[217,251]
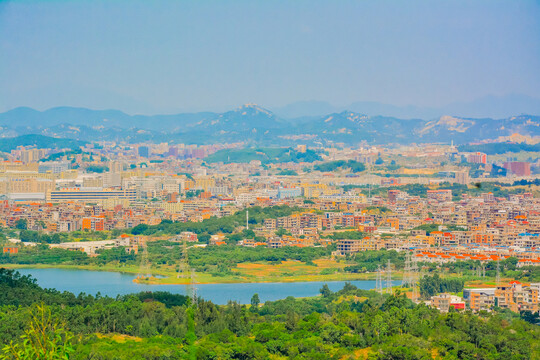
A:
[359,354]
[120,338]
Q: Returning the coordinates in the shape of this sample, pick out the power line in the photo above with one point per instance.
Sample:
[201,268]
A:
[189,274]
[407,278]
[378,284]
[143,267]
[410,275]
[498,276]
[389,277]
[193,288]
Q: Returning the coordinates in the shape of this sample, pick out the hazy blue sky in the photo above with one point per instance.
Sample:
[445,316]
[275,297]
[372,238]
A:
[165,56]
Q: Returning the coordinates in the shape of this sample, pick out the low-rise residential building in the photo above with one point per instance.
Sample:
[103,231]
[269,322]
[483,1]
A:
[480,299]
[517,297]
[443,302]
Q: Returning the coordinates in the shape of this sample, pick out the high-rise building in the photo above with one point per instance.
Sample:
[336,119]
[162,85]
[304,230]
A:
[393,195]
[30,155]
[144,151]
[462,177]
[477,158]
[55,167]
[518,168]
[173,151]
[116,166]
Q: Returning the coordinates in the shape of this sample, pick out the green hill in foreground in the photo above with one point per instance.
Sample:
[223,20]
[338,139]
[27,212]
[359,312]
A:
[348,324]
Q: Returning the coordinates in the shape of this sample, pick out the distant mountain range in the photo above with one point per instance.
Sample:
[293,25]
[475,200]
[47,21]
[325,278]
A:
[255,125]
[489,106]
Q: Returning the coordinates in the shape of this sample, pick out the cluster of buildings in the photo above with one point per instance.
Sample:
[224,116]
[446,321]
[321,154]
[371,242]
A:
[437,227]
[119,186]
[116,186]
[129,243]
[514,296]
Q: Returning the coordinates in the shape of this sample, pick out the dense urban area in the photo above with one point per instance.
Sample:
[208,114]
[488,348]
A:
[450,234]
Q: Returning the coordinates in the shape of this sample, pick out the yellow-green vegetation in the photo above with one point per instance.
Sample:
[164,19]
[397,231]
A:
[44,337]
[286,271]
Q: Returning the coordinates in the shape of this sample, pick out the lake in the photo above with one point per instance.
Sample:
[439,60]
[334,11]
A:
[113,283]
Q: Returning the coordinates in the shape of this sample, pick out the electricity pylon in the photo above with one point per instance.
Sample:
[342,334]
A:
[407,278]
[189,274]
[410,275]
[143,267]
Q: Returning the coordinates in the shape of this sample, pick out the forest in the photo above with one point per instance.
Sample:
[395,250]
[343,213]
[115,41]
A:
[265,155]
[420,190]
[352,165]
[39,141]
[346,324]
[433,285]
[499,148]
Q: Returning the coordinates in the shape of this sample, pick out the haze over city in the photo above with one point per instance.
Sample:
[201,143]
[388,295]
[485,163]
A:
[177,56]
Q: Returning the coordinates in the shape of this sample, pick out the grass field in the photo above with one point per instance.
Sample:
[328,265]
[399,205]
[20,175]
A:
[287,271]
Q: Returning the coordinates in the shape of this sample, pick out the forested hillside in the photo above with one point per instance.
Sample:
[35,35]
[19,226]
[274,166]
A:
[348,324]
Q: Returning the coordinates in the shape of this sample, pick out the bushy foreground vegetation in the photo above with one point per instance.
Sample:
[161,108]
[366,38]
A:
[347,324]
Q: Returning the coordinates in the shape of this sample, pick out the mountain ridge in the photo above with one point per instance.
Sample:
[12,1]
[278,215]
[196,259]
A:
[258,125]
[486,106]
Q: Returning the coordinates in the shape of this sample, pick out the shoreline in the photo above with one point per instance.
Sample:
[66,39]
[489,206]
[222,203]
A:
[170,280]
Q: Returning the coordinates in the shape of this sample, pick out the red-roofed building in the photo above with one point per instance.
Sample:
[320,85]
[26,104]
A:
[10,250]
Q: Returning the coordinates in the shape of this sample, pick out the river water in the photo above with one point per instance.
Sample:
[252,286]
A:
[113,283]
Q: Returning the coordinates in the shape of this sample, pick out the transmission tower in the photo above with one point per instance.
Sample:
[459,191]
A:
[414,279]
[193,287]
[184,263]
[378,284]
[389,277]
[143,267]
[188,273]
[406,272]
[407,278]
